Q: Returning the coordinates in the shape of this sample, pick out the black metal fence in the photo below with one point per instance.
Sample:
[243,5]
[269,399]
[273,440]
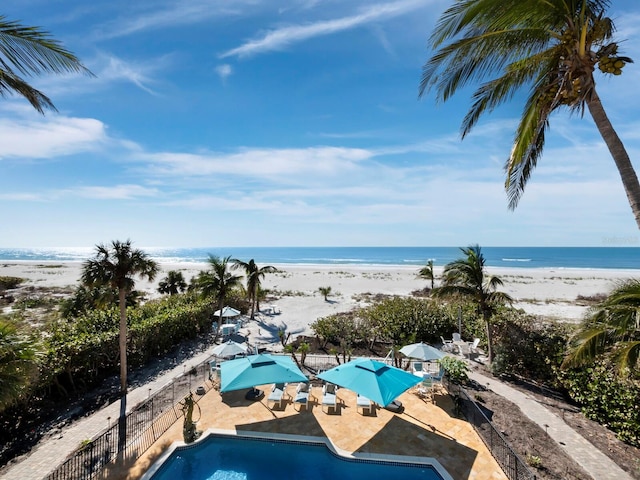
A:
[145,424]
[512,465]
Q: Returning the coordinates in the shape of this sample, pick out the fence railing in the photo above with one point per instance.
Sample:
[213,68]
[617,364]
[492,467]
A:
[145,424]
[512,465]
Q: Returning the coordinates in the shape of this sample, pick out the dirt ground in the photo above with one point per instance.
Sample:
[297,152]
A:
[539,450]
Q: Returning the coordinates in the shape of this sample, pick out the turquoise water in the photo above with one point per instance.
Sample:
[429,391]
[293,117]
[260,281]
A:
[521,257]
[232,458]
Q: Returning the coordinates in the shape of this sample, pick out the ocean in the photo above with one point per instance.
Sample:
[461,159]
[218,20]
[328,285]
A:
[520,257]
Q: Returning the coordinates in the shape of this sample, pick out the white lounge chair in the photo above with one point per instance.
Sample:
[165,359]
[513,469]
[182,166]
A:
[447,345]
[473,346]
[303,391]
[363,403]
[456,337]
[277,394]
[329,398]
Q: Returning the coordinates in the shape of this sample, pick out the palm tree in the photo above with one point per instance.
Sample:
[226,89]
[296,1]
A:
[325,292]
[18,366]
[466,277]
[612,327]
[550,47]
[218,282]
[254,276]
[114,266]
[173,283]
[31,51]
[426,272]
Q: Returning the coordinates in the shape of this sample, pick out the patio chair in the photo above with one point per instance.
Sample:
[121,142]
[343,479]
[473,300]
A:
[425,389]
[277,394]
[456,337]
[303,392]
[447,345]
[363,403]
[473,346]
[416,368]
[329,398]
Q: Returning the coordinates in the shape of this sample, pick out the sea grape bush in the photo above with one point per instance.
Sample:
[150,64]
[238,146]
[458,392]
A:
[606,398]
[85,349]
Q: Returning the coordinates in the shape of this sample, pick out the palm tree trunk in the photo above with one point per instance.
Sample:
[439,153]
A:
[487,322]
[619,154]
[122,299]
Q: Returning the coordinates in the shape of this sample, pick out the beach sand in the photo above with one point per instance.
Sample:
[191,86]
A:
[551,293]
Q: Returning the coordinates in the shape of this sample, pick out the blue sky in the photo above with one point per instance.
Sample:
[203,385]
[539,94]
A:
[257,123]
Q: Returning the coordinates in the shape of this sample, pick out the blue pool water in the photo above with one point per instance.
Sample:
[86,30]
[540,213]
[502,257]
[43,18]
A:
[233,458]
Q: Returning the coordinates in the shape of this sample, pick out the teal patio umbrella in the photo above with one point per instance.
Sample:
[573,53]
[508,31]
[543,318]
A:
[422,351]
[375,380]
[260,369]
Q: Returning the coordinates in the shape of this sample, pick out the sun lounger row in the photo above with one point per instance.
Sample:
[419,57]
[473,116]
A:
[329,399]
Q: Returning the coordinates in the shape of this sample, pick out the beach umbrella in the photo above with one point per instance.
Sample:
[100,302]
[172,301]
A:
[422,351]
[260,369]
[229,349]
[227,312]
[375,380]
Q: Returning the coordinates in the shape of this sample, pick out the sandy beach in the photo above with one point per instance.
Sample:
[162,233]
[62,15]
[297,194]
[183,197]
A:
[547,292]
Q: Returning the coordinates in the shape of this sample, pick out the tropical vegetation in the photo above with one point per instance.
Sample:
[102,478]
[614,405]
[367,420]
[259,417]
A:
[549,48]
[18,364]
[254,275]
[612,329]
[427,273]
[467,278]
[32,51]
[217,283]
[115,266]
[173,283]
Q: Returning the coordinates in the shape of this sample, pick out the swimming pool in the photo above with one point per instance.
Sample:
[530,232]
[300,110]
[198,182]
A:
[249,456]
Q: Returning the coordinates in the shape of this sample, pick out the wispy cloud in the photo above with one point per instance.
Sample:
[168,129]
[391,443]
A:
[286,36]
[176,14]
[115,192]
[45,137]
[264,163]
[141,75]
[224,71]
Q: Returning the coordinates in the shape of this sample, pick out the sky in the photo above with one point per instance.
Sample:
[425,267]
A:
[289,123]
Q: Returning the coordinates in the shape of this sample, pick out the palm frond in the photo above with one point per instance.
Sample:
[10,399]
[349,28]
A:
[587,345]
[33,51]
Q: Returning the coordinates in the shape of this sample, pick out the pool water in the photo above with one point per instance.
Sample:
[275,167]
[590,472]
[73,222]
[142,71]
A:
[236,458]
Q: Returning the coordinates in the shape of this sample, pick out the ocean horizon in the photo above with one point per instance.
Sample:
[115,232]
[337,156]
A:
[515,257]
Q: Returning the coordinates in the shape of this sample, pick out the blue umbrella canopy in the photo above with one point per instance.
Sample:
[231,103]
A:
[422,351]
[255,370]
[375,380]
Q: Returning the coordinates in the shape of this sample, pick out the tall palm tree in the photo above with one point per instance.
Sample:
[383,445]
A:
[612,327]
[551,48]
[173,283]
[31,51]
[254,274]
[466,277]
[426,272]
[217,282]
[116,265]
[18,364]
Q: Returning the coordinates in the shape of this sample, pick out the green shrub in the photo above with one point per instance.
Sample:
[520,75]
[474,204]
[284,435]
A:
[606,398]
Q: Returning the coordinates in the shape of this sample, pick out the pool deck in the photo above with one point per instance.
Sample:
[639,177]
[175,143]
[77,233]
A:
[424,429]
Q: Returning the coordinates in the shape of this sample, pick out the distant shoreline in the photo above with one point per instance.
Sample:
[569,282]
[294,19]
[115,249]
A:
[547,292]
